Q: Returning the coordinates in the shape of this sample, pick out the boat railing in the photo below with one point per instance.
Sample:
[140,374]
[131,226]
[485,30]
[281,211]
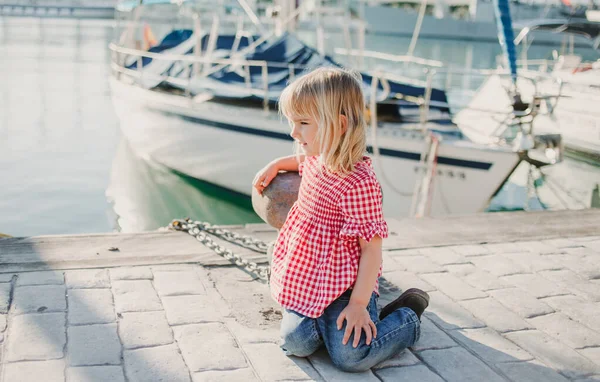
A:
[203,67]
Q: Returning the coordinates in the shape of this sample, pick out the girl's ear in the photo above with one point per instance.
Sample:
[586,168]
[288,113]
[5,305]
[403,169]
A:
[343,123]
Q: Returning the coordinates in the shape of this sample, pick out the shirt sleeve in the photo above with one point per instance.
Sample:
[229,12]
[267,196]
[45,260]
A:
[362,210]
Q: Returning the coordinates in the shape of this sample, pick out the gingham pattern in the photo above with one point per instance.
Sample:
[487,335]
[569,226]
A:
[317,252]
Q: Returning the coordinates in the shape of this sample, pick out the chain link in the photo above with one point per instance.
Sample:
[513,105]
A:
[200,231]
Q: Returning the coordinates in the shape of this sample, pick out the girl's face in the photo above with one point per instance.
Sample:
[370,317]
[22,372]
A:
[304,131]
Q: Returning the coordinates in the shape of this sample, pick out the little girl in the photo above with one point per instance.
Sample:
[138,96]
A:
[327,258]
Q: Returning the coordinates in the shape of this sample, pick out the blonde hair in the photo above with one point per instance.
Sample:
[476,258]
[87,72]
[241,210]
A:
[325,94]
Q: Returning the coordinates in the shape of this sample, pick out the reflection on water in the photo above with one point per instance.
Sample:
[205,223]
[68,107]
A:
[58,131]
[146,196]
[571,184]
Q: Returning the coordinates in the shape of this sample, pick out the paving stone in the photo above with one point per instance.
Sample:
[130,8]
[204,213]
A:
[131,273]
[533,262]
[5,297]
[457,364]
[178,283]
[521,302]
[582,239]
[561,243]
[591,353]
[580,252]
[577,309]
[245,335]
[498,265]
[173,267]
[143,329]
[418,373]
[41,278]
[95,373]
[2,322]
[87,278]
[443,255]
[502,247]
[390,264]
[560,303]
[272,364]
[404,358]
[495,315]
[6,277]
[36,337]
[566,330]
[593,245]
[321,361]
[209,346]
[90,306]
[432,337]
[39,299]
[421,264]
[574,283]
[47,371]
[192,310]
[531,371]
[245,375]
[489,345]
[485,281]
[161,363]
[448,314]
[470,250]
[404,252]
[554,354]
[580,264]
[94,345]
[407,280]
[535,285]
[538,247]
[461,269]
[452,286]
[135,296]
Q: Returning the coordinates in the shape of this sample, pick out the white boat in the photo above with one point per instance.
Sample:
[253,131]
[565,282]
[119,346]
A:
[472,20]
[223,134]
[574,80]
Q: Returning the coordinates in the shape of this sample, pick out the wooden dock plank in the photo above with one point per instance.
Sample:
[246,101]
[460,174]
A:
[492,228]
[91,251]
[165,247]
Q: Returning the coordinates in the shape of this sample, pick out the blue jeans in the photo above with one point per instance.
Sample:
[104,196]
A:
[302,335]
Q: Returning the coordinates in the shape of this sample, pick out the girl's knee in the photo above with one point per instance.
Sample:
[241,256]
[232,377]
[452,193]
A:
[347,358]
[298,343]
[294,345]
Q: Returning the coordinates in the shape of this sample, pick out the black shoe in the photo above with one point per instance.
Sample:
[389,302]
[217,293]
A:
[413,298]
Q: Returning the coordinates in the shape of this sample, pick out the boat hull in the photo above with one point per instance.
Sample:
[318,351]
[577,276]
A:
[226,145]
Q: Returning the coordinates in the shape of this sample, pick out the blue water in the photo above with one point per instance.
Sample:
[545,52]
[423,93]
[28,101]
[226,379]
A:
[64,168]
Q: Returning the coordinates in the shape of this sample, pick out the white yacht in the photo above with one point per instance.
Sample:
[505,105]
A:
[470,20]
[575,80]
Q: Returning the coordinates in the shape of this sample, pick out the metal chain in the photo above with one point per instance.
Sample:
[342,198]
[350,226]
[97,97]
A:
[200,231]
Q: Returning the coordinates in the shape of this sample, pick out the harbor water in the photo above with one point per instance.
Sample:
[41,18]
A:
[66,169]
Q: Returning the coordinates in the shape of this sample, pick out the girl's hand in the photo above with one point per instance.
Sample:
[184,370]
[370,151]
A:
[357,319]
[264,177]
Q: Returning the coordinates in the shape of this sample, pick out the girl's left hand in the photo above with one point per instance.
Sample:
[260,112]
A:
[357,319]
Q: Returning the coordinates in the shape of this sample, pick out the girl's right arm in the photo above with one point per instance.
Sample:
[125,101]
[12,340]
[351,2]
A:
[264,177]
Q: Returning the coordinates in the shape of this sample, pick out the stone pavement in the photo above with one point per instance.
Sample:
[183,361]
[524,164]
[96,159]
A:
[524,311]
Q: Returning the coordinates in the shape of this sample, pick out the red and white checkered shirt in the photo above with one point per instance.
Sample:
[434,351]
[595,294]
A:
[317,252]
